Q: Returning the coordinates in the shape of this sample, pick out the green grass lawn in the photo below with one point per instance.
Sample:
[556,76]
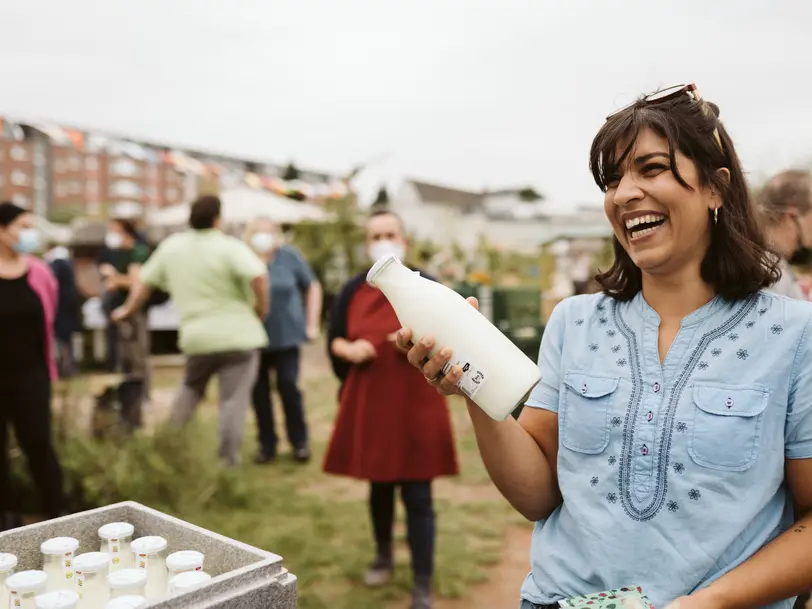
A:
[319,524]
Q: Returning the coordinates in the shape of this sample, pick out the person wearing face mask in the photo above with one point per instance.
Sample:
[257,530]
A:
[391,428]
[785,203]
[28,301]
[296,299]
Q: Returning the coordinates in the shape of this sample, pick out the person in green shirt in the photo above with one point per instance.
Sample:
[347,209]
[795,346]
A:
[127,253]
[220,290]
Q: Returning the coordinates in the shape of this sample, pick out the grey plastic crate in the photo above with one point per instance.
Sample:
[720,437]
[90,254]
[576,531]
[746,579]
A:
[243,576]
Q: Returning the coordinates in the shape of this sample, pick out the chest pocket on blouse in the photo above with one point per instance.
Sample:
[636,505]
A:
[586,402]
[727,426]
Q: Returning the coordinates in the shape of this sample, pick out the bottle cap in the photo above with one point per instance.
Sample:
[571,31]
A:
[27,581]
[183,582]
[7,562]
[59,599]
[379,266]
[148,545]
[91,562]
[123,579]
[116,530]
[59,545]
[131,601]
[185,560]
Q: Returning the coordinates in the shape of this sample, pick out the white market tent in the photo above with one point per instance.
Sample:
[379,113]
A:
[243,204]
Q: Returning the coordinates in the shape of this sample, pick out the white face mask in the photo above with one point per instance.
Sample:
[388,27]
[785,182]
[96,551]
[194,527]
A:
[379,249]
[262,242]
[114,241]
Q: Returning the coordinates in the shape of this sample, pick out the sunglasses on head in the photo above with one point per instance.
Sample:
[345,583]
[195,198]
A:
[668,94]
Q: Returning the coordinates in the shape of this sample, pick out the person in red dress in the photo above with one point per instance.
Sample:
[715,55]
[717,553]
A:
[392,428]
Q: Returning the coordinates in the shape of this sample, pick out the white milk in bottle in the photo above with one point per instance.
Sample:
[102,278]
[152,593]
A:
[127,602]
[183,582]
[8,562]
[57,559]
[497,376]
[24,587]
[116,538]
[127,582]
[60,599]
[91,570]
[150,556]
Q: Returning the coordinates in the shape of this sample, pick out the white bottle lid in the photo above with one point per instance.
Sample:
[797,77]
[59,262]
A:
[148,545]
[131,601]
[379,266]
[123,579]
[116,530]
[7,562]
[27,581]
[59,599]
[185,560]
[59,545]
[91,562]
[183,582]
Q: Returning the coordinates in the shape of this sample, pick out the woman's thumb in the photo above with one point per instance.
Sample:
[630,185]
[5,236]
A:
[473,302]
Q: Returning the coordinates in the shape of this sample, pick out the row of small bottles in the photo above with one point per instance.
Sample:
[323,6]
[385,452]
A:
[124,574]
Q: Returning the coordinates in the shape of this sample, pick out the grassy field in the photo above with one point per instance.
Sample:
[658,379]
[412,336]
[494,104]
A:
[318,523]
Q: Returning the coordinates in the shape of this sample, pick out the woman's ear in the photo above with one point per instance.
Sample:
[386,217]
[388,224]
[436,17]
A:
[724,174]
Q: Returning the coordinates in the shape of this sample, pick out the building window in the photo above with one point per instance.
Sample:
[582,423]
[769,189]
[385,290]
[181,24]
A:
[92,187]
[19,153]
[59,165]
[61,189]
[92,163]
[75,188]
[124,168]
[20,200]
[20,178]
[74,162]
[127,189]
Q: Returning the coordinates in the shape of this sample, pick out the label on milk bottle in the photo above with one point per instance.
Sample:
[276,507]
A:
[472,377]
[143,561]
[80,583]
[66,563]
[115,549]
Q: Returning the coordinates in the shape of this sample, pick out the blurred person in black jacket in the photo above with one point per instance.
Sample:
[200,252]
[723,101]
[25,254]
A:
[68,318]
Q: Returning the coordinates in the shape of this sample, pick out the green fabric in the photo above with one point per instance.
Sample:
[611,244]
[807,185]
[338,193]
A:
[121,261]
[208,276]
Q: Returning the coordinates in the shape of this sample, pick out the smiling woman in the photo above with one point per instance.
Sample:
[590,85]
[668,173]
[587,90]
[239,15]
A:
[670,436]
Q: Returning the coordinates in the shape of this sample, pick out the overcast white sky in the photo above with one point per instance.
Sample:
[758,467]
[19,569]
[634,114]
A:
[466,92]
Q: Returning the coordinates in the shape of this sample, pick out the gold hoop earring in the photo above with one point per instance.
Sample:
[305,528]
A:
[716,216]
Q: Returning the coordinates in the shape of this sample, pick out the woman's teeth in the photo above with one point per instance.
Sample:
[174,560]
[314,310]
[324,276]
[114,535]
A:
[647,219]
[644,225]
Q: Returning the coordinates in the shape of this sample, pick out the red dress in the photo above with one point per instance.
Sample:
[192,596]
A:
[391,425]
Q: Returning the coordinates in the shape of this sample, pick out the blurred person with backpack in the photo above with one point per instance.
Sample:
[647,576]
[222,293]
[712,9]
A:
[28,302]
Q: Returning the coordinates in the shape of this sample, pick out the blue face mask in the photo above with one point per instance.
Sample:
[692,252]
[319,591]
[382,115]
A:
[29,241]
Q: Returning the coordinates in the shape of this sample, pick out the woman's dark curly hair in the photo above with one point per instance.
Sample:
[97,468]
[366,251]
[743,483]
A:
[738,262]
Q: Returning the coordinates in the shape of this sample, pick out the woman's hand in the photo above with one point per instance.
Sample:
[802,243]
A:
[360,351]
[419,356]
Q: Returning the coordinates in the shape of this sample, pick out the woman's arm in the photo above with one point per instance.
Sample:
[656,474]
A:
[313,303]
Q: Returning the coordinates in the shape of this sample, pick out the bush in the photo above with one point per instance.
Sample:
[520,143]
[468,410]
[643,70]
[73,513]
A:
[170,470]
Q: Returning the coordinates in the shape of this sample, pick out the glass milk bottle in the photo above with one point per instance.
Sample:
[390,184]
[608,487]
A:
[183,582]
[92,569]
[116,538]
[24,587]
[497,376]
[58,562]
[150,556]
[183,561]
[127,582]
[8,562]
[60,599]
[127,602]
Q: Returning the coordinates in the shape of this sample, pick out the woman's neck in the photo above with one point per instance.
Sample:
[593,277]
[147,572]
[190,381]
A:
[676,297]
[8,255]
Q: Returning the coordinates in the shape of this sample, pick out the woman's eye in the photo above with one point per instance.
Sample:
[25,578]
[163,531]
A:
[653,169]
[612,182]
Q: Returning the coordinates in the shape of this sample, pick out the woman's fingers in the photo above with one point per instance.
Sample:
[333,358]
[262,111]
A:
[448,384]
[433,369]
[403,340]
[418,355]
[473,302]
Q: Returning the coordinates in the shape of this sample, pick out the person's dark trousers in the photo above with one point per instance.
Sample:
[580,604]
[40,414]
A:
[420,521]
[131,395]
[286,365]
[111,334]
[25,407]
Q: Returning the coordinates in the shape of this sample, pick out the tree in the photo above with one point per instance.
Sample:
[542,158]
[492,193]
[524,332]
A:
[291,172]
[383,197]
[529,194]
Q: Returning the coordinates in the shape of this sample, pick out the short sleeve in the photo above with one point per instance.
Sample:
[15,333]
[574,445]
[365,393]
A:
[140,254]
[798,428]
[246,264]
[545,393]
[301,269]
[153,273]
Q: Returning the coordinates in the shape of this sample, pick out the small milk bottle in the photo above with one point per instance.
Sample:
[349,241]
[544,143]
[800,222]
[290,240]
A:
[24,587]
[151,557]
[116,538]
[127,582]
[92,569]
[497,376]
[57,562]
[183,582]
[59,599]
[8,562]
[127,602]
[183,561]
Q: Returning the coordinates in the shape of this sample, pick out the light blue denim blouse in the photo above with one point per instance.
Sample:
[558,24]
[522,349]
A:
[671,474]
